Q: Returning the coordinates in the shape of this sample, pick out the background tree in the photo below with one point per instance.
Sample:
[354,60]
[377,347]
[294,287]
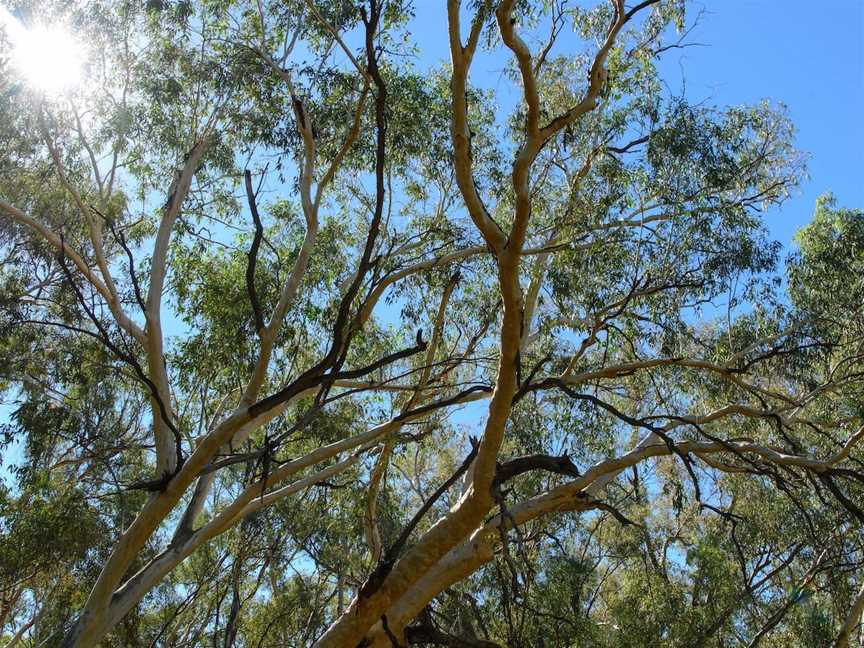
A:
[313,347]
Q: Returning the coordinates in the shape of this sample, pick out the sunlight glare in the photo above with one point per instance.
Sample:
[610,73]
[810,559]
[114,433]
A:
[48,57]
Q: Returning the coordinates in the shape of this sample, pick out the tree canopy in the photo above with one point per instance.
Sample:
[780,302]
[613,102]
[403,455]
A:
[308,342]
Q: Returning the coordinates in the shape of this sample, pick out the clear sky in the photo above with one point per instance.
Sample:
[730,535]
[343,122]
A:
[808,55]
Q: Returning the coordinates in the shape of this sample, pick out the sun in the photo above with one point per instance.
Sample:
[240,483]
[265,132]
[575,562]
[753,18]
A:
[48,57]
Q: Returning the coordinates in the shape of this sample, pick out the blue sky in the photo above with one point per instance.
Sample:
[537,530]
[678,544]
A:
[808,55]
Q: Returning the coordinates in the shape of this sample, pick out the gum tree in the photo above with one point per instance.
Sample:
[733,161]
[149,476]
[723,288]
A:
[312,346]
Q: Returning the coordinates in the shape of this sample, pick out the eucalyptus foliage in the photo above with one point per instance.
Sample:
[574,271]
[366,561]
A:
[307,340]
